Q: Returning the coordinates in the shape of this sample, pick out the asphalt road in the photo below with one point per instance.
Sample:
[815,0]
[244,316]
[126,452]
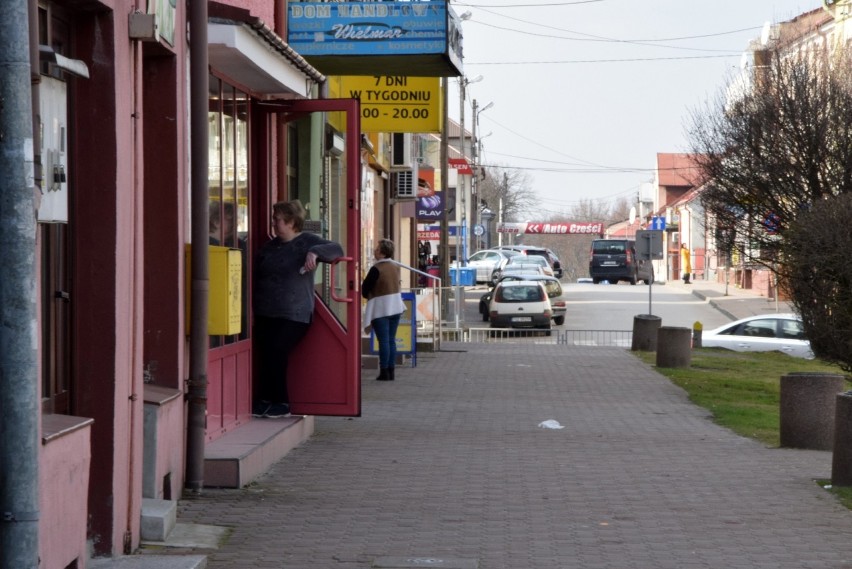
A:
[613,307]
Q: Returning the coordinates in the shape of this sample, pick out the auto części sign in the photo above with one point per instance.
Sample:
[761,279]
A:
[564,228]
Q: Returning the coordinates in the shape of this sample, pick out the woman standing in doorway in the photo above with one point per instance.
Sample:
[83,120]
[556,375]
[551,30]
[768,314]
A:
[381,288]
[284,301]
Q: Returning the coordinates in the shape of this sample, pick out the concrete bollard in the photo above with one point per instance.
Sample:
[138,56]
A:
[674,346]
[645,328]
[807,409]
[841,458]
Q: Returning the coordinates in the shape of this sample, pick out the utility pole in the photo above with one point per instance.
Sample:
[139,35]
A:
[460,211]
[444,245]
[19,413]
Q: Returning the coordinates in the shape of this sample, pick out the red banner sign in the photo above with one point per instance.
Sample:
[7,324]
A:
[565,228]
[461,165]
[428,235]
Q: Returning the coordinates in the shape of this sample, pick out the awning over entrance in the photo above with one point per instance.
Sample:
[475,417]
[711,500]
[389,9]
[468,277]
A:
[253,56]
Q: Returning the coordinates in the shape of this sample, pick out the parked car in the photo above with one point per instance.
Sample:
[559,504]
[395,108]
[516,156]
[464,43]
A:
[520,304]
[517,270]
[614,260]
[486,260]
[541,251]
[764,333]
[523,262]
[551,285]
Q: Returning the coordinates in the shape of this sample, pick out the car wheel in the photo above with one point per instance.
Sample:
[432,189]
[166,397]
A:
[559,320]
[596,281]
[632,281]
[613,281]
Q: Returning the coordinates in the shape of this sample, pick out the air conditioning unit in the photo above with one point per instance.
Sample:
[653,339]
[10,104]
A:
[404,184]
[401,156]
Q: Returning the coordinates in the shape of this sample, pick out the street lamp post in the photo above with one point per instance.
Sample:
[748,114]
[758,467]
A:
[476,150]
[461,198]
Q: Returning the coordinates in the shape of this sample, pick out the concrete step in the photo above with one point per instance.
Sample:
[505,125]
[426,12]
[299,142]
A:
[158,519]
[150,562]
[240,456]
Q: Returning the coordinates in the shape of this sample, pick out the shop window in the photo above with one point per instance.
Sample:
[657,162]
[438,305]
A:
[228,149]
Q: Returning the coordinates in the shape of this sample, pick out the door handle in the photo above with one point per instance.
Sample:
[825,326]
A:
[333,265]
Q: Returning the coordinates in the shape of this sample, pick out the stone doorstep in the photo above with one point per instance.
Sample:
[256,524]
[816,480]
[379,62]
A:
[150,562]
[240,456]
[158,519]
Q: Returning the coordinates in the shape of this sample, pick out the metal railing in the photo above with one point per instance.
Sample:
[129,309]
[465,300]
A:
[597,338]
[427,305]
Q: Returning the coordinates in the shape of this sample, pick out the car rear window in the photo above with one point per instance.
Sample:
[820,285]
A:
[522,293]
[609,247]
[553,288]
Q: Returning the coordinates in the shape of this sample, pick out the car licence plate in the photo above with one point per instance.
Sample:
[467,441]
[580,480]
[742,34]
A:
[609,263]
[522,319]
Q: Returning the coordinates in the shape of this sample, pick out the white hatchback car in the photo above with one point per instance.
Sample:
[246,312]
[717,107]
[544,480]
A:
[764,333]
[520,304]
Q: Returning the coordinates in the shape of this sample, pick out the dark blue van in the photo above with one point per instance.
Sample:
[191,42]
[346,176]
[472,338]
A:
[614,260]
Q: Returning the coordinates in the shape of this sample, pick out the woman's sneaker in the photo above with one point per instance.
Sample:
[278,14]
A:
[277,410]
[260,408]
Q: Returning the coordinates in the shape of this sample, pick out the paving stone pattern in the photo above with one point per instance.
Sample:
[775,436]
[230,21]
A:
[448,462]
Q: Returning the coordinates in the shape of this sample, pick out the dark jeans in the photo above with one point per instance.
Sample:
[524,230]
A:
[385,329]
[275,339]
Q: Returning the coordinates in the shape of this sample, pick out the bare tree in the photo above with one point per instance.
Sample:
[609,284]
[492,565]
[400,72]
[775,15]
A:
[513,186]
[774,149]
[779,158]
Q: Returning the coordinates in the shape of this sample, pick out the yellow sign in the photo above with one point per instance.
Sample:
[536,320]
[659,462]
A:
[396,103]
[406,334]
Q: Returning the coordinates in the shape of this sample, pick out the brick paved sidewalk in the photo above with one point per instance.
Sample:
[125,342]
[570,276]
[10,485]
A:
[449,468]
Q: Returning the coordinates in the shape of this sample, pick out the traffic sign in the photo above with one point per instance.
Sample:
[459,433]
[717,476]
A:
[658,223]
[649,244]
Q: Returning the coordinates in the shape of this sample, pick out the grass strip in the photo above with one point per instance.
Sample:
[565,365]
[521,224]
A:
[740,389]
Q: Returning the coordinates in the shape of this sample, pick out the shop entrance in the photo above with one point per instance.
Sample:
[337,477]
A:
[323,165]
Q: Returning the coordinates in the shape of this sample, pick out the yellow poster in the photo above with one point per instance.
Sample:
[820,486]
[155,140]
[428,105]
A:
[395,103]
[406,334]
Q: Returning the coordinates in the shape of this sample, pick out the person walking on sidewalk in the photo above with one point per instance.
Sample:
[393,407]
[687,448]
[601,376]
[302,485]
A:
[284,301]
[685,263]
[381,288]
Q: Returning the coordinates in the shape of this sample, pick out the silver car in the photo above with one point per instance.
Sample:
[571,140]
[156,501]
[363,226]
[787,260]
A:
[764,333]
[486,261]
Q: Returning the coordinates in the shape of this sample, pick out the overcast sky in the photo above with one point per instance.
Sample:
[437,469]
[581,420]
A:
[586,93]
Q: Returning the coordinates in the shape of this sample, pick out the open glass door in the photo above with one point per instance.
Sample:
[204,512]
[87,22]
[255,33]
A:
[323,166]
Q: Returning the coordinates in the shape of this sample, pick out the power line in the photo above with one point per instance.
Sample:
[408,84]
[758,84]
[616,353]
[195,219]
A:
[596,38]
[577,61]
[526,5]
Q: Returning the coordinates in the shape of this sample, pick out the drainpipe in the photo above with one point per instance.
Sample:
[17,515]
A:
[200,284]
[19,409]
